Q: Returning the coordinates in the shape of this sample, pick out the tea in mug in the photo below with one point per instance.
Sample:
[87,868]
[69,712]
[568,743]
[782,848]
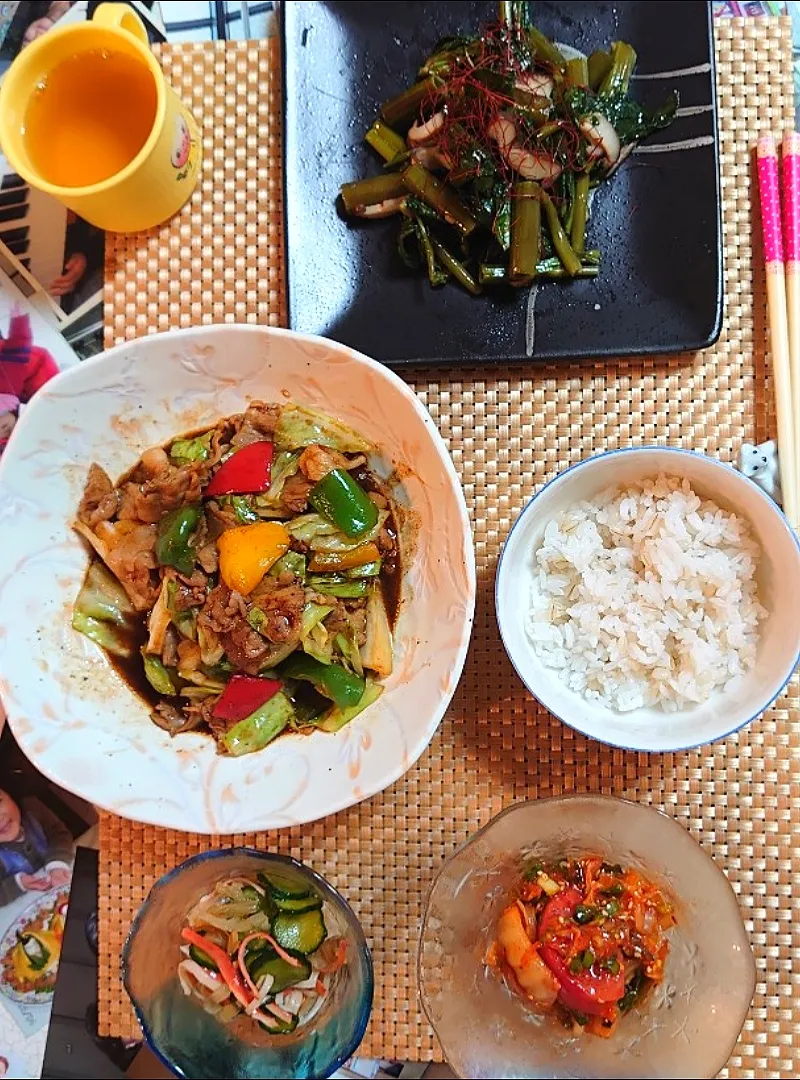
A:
[90,117]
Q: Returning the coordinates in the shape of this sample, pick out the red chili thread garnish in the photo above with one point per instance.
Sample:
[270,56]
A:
[470,107]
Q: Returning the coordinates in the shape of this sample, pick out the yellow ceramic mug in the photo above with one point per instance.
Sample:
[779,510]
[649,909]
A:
[87,116]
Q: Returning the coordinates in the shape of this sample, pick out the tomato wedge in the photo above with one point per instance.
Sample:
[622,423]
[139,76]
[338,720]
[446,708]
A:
[562,905]
[590,992]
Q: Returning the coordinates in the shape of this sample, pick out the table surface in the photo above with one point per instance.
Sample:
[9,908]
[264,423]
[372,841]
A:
[509,432]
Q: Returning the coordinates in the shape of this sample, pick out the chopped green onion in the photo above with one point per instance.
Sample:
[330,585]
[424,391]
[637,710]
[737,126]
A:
[584,914]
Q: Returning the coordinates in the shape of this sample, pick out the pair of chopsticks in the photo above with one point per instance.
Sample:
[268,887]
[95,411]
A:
[782,255]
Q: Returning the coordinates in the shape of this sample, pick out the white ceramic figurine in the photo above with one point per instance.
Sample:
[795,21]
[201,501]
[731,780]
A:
[760,463]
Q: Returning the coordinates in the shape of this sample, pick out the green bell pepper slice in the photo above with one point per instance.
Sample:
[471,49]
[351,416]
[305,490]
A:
[337,718]
[175,531]
[343,687]
[340,499]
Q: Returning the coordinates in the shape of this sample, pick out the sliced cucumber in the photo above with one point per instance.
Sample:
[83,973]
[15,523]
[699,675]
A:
[279,1027]
[263,902]
[300,932]
[267,962]
[283,892]
[202,958]
[298,904]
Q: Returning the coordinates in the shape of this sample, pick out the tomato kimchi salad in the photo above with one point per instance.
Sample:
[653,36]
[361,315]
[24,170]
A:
[583,939]
[269,953]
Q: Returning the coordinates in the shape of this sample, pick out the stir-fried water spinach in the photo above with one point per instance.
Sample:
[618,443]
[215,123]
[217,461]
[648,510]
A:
[246,577]
[491,155]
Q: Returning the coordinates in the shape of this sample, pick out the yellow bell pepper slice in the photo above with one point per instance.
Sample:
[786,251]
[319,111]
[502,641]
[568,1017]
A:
[247,553]
[322,561]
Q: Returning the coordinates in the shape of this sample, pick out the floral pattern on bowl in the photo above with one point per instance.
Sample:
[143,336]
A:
[73,715]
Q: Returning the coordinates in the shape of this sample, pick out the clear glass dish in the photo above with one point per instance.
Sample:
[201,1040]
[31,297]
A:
[686,1027]
[196,1045]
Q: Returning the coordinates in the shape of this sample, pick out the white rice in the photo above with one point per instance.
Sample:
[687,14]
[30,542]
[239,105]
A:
[646,596]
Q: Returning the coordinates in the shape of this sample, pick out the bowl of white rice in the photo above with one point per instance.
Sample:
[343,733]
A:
[650,598]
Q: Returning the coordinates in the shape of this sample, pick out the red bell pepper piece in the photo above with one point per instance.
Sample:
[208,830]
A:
[247,472]
[589,992]
[243,695]
[227,970]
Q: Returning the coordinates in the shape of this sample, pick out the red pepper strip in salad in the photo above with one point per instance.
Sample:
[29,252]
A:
[243,695]
[243,966]
[338,958]
[282,953]
[276,1010]
[247,472]
[591,992]
[226,969]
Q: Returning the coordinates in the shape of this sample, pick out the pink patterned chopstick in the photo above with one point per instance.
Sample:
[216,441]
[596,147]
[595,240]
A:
[791,243]
[790,151]
[769,190]
[770,194]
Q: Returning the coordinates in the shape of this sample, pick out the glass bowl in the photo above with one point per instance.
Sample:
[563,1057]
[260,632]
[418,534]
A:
[688,1024]
[194,1044]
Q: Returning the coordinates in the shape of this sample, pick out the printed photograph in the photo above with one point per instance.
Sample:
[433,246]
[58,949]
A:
[32,351]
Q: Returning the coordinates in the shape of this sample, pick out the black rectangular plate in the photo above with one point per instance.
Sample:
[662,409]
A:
[657,222]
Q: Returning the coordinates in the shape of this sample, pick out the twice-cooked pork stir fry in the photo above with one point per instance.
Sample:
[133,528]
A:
[248,573]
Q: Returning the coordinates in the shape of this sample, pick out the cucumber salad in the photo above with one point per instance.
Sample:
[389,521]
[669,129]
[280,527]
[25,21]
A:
[263,951]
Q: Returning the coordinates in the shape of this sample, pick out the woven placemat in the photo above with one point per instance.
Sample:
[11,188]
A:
[508,434]
[221,258]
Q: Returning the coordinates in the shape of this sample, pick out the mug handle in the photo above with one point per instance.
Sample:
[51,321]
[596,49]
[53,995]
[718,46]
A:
[121,17]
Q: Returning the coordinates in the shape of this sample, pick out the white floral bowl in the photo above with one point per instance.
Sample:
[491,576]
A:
[74,716]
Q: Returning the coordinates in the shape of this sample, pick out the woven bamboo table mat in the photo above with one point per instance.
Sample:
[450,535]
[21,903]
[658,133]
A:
[508,433]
